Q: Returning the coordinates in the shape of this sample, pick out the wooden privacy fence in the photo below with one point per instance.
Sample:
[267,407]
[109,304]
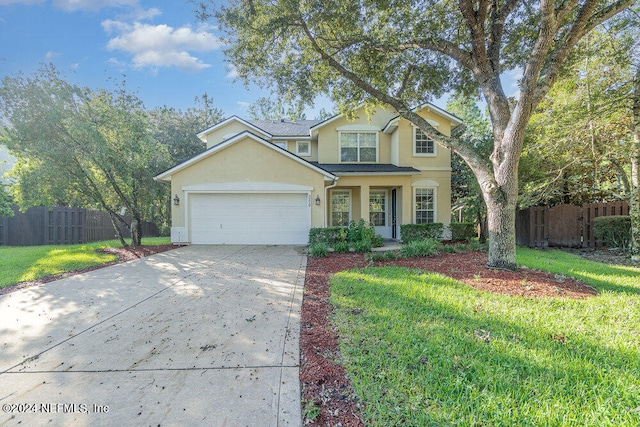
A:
[62,226]
[563,225]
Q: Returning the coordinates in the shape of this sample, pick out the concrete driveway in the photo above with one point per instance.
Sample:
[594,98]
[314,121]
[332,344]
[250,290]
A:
[200,335]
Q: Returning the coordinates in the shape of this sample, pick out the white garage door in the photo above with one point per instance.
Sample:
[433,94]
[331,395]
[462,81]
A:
[249,219]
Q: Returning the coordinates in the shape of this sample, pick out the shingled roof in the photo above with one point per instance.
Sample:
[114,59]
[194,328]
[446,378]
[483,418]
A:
[372,168]
[285,127]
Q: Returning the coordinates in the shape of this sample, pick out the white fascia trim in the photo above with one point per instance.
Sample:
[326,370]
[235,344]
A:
[376,173]
[393,123]
[247,187]
[232,119]
[439,110]
[291,138]
[166,176]
[358,127]
[331,119]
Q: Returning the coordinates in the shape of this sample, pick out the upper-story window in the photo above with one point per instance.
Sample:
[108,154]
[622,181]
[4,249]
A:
[303,148]
[282,144]
[358,147]
[422,144]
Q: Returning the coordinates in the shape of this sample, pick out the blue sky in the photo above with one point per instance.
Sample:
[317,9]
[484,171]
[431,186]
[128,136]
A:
[166,54]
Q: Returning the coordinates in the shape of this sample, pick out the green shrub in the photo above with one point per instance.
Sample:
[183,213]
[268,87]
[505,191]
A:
[362,245]
[343,237]
[327,235]
[614,231]
[447,249]
[461,247]
[377,256]
[462,231]
[360,231]
[420,248]
[475,245]
[392,255]
[413,232]
[318,249]
[341,247]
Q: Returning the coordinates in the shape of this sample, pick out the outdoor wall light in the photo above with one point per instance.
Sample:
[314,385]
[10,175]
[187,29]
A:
[176,200]
[317,200]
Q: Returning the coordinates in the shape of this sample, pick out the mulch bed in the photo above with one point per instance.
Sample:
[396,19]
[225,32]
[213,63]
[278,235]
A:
[324,381]
[124,254]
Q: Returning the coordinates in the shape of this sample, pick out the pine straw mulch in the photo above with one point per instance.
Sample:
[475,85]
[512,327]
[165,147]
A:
[323,380]
[124,254]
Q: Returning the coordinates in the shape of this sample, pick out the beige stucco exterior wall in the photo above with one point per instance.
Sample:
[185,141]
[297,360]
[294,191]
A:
[328,150]
[232,128]
[247,161]
[405,155]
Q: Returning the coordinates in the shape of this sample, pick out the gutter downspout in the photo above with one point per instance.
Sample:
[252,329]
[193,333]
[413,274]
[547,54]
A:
[326,198]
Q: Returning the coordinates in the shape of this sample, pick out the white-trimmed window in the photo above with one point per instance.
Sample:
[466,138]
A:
[422,144]
[358,147]
[425,205]
[378,208]
[340,208]
[303,148]
[282,144]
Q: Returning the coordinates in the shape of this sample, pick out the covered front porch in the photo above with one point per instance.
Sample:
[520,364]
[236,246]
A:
[385,202]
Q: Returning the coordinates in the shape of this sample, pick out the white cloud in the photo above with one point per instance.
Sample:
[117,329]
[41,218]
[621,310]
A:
[233,72]
[516,74]
[161,45]
[51,54]
[243,104]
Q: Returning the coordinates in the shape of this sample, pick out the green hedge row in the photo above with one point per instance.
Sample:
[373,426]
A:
[463,231]
[328,235]
[412,232]
[614,231]
[360,236]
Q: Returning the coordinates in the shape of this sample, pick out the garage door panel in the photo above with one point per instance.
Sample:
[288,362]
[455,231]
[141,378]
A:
[249,218]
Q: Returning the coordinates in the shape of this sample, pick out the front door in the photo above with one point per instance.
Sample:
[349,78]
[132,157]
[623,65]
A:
[394,214]
[379,215]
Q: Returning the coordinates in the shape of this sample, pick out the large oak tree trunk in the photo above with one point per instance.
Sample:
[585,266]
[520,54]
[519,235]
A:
[501,217]
[634,202]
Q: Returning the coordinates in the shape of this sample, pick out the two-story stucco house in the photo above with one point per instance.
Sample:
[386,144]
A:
[268,182]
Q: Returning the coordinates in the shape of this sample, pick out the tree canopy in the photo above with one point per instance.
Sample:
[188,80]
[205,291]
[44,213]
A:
[401,53]
[81,147]
[579,139]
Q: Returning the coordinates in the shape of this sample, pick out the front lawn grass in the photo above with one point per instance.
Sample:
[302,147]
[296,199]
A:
[422,349]
[26,263]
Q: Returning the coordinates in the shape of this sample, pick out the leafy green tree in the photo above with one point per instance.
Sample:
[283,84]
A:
[404,52]
[176,130]
[267,109]
[78,146]
[465,190]
[578,142]
[5,202]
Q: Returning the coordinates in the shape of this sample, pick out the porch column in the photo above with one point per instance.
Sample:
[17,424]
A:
[407,204]
[364,203]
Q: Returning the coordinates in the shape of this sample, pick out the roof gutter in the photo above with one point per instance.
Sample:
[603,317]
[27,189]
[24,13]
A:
[326,198]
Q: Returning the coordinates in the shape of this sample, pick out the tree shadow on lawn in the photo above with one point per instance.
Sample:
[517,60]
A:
[481,356]
[576,266]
